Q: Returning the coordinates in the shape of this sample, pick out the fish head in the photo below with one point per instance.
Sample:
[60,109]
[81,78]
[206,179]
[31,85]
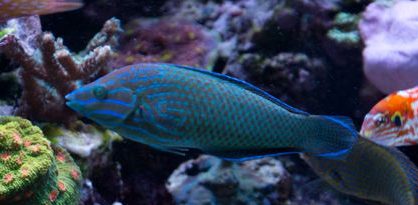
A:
[389,122]
[108,103]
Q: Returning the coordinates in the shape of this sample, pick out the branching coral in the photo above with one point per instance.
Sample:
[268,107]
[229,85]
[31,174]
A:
[31,171]
[52,71]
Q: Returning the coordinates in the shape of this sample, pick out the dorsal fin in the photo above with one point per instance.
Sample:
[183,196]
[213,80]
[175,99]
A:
[346,120]
[244,85]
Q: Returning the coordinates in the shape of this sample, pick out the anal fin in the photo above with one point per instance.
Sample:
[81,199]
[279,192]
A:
[250,154]
[174,150]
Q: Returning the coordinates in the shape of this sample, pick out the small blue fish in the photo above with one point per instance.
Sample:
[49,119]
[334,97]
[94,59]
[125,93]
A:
[176,108]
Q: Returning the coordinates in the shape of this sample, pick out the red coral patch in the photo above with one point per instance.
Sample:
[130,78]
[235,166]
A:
[60,157]
[27,143]
[5,156]
[61,186]
[24,171]
[75,175]
[53,195]
[17,139]
[8,178]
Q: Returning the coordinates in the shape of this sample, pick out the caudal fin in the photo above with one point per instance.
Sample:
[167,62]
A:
[333,136]
[55,6]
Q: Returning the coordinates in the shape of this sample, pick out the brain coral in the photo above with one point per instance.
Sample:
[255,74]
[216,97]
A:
[31,171]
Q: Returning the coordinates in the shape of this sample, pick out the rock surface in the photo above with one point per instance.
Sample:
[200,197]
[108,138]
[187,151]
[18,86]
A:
[209,180]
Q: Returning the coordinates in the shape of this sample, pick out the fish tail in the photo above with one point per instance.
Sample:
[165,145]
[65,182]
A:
[334,136]
[53,6]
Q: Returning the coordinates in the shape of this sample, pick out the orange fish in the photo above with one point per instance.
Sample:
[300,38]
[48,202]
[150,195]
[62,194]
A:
[18,8]
[392,121]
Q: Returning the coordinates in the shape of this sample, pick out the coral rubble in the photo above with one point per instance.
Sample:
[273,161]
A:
[131,173]
[209,180]
[79,138]
[31,171]
[52,71]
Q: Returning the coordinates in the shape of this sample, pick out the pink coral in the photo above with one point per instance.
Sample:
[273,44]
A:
[390,33]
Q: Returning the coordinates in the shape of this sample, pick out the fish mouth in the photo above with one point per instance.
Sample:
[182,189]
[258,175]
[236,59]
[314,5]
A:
[73,105]
[69,97]
[71,102]
[366,133]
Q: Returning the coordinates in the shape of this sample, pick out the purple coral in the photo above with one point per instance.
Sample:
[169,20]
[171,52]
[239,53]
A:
[390,33]
[164,40]
[52,71]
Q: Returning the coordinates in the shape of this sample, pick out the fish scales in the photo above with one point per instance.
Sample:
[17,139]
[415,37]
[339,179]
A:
[176,107]
[371,171]
[237,110]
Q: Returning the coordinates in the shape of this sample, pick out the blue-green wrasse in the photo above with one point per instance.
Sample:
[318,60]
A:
[371,171]
[177,109]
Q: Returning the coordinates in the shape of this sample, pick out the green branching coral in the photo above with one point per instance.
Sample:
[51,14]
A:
[31,171]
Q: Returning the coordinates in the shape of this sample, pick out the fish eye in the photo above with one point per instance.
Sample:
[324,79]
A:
[396,119]
[100,92]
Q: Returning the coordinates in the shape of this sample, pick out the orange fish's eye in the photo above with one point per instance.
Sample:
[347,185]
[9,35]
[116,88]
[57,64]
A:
[396,118]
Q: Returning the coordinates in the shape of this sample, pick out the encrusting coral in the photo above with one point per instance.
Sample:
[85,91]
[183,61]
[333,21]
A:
[31,171]
[52,71]
[290,76]
[146,40]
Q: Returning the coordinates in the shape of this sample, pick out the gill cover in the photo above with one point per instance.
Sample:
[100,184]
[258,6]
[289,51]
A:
[109,107]
[113,106]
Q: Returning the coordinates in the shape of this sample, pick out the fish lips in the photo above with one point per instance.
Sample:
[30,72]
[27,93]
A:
[71,102]
[69,96]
